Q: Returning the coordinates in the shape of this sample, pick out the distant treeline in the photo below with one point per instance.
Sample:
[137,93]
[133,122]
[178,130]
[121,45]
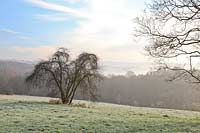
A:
[149,90]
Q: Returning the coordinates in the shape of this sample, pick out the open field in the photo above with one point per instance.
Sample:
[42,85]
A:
[35,114]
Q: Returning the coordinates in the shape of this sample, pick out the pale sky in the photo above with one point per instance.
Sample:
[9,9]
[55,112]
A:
[33,29]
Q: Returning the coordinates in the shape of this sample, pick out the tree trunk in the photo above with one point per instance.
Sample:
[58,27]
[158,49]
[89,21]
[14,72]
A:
[65,101]
[72,97]
[64,98]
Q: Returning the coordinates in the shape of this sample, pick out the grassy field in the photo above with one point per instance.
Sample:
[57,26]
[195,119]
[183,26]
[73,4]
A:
[22,114]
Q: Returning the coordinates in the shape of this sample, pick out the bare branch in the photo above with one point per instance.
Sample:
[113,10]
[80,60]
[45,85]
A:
[182,41]
[67,75]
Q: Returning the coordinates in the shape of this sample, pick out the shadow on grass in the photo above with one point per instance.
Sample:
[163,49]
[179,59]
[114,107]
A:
[22,104]
[32,105]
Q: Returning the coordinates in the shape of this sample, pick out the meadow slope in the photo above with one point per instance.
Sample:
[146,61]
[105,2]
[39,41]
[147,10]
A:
[34,114]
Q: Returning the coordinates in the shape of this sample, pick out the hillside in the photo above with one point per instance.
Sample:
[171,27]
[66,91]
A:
[12,74]
[148,90]
[35,114]
[14,68]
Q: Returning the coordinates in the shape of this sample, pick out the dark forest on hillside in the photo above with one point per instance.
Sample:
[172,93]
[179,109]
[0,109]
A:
[149,90]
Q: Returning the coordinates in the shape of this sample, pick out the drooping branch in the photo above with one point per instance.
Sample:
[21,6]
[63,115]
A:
[172,28]
[67,75]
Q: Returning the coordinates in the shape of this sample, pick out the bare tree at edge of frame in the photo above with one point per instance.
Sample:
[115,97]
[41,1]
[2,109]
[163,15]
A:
[173,30]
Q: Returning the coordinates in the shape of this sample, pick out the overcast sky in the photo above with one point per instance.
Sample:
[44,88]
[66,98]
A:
[33,29]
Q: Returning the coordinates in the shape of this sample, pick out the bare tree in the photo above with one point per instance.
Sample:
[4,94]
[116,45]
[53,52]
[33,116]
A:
[67,75]
[173,30]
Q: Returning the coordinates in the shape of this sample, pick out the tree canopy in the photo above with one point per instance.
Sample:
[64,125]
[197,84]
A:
[67,75]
